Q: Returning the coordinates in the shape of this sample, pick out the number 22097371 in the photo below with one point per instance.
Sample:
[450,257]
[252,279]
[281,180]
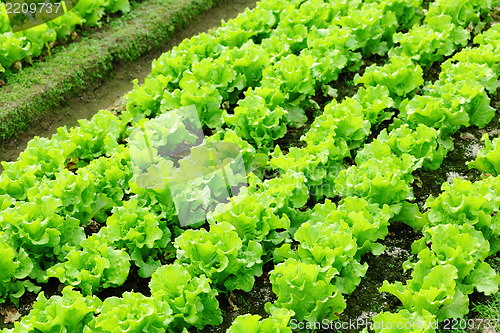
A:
[34,8]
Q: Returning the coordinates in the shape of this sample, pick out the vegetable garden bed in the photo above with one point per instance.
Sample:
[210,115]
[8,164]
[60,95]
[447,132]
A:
[359,124]
[71,68]
[109,92]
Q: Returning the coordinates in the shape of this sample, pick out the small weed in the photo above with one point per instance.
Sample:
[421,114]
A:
[244,301]
[490,309]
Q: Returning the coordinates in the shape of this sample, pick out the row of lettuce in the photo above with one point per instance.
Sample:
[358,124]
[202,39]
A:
[461,226]
[23,46]
[280,56]
[94,263]
[419,137]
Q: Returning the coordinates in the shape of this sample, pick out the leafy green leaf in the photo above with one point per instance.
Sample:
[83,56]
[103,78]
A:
[191,298]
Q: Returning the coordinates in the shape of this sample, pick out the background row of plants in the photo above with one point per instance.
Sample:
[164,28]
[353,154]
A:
[23,47]
[91,204]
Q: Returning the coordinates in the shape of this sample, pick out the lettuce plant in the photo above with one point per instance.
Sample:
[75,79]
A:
[16,186]
[252,219]
[249,61]
[220,255]
[14,48]
[282,194]
[257,22]
[413,322]
[313,14]
[463,202]
[431,42]
[383,181]
[334,47]
[484,54]
[77,195]
[340,128]
[488,158]
[408,12]
[217,73]
[376,103]
[366,221]
[163,136]
[457,71]
[432,111]
[205,87]
[254,121]
[276,323]
[264,213]
[292,76]
[111,176]
[16,267]
[174,63]
[133,312]
[192,300]
[306,290]
[137,231]
[489,36]
[328,245]
[462,12]
[292,34]
[228,141]
[400,75]
[467,98]
[423,143]
[94,138]
[152,186]
[433,289]
[46,236]
[67,313]
[461,246]
[94,267]
[313,165]
[42,158]
[450,265]
[374,35]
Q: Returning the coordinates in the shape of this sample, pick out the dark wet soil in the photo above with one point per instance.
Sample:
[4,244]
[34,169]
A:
[238,303]
[366,300]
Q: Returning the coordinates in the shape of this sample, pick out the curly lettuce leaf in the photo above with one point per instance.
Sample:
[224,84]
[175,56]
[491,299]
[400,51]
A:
[133,312]
[136,230]
[191,298]
[383,181]
[276,323]
[221,255]
[424,143]
[306,290]
[70,312]
[16,267]
[400,75]
[95,267]
[463,202]
[488,158]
